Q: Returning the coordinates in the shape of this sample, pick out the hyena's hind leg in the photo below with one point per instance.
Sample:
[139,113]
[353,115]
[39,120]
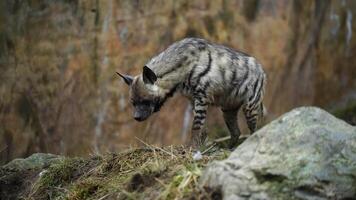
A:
[230,118]
[198,134]
[253,114]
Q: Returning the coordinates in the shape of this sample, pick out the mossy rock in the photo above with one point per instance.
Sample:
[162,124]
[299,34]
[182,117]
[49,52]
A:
[17,175]
[37,160]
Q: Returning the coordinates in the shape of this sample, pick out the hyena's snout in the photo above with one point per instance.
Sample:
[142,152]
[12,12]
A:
[141,113]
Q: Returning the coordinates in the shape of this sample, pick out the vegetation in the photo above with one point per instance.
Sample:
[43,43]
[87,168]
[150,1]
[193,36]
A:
[150,172]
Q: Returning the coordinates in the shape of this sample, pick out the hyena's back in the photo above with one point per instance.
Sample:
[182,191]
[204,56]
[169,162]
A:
[237,79]
[226,77]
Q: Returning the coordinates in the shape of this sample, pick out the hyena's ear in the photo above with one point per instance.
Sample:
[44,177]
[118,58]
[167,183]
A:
[128,79]
[149,77]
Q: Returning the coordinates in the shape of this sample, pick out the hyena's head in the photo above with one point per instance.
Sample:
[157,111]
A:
[146,97]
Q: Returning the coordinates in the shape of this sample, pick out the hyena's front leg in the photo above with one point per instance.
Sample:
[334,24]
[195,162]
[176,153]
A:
[230,118]
[197,134]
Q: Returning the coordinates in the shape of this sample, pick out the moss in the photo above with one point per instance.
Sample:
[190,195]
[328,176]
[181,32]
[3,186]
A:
[55,177]
[151,173]
[85,189]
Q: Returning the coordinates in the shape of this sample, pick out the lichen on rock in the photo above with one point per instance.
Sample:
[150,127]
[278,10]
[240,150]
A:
[304,154]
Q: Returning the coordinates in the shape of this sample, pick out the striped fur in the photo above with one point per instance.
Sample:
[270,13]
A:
[208,74]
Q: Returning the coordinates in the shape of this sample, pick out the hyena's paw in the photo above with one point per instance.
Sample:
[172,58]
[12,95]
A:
[234,141]
[197,139]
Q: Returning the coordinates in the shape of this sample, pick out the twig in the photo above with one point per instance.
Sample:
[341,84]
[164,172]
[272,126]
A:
[154,147]
[160,182]
[127,171]
[206,150]
[215,142]
[103,197]
[222,139]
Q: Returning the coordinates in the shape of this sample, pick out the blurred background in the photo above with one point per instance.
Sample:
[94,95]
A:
[59,92]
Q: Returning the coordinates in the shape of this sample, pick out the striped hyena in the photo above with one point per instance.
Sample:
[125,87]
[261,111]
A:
[208,74]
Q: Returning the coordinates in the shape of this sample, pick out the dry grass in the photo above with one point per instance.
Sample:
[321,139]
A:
[151,173]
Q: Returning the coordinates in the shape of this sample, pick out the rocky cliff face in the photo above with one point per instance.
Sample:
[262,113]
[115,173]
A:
[59,92]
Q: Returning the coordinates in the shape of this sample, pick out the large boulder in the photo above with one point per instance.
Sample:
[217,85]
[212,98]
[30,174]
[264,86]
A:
[304,154]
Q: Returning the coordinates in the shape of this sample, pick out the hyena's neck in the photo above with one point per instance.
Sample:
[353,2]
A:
[172,75]
[170,84]
[164,95]
[175,65]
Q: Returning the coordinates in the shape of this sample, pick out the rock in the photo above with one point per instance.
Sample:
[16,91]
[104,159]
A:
[304,154]
[37,160]
[17,176]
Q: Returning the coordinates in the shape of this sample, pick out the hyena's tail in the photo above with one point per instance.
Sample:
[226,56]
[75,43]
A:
[264,110]
[262,115]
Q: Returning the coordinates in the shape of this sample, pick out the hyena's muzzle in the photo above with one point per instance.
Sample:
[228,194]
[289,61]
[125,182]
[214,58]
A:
[142,111]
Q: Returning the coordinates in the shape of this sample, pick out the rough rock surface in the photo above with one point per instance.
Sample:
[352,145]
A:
[304,154]
[37,160]
[17,175]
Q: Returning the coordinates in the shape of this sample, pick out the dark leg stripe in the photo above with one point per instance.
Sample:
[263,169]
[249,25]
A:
[196,122]
[253,106]
[250,117]
[252,121]
[198,125]
[201,92]
[250,107]
[200,103]
[199,118]
[202,116]
[200,111]
[200,98]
